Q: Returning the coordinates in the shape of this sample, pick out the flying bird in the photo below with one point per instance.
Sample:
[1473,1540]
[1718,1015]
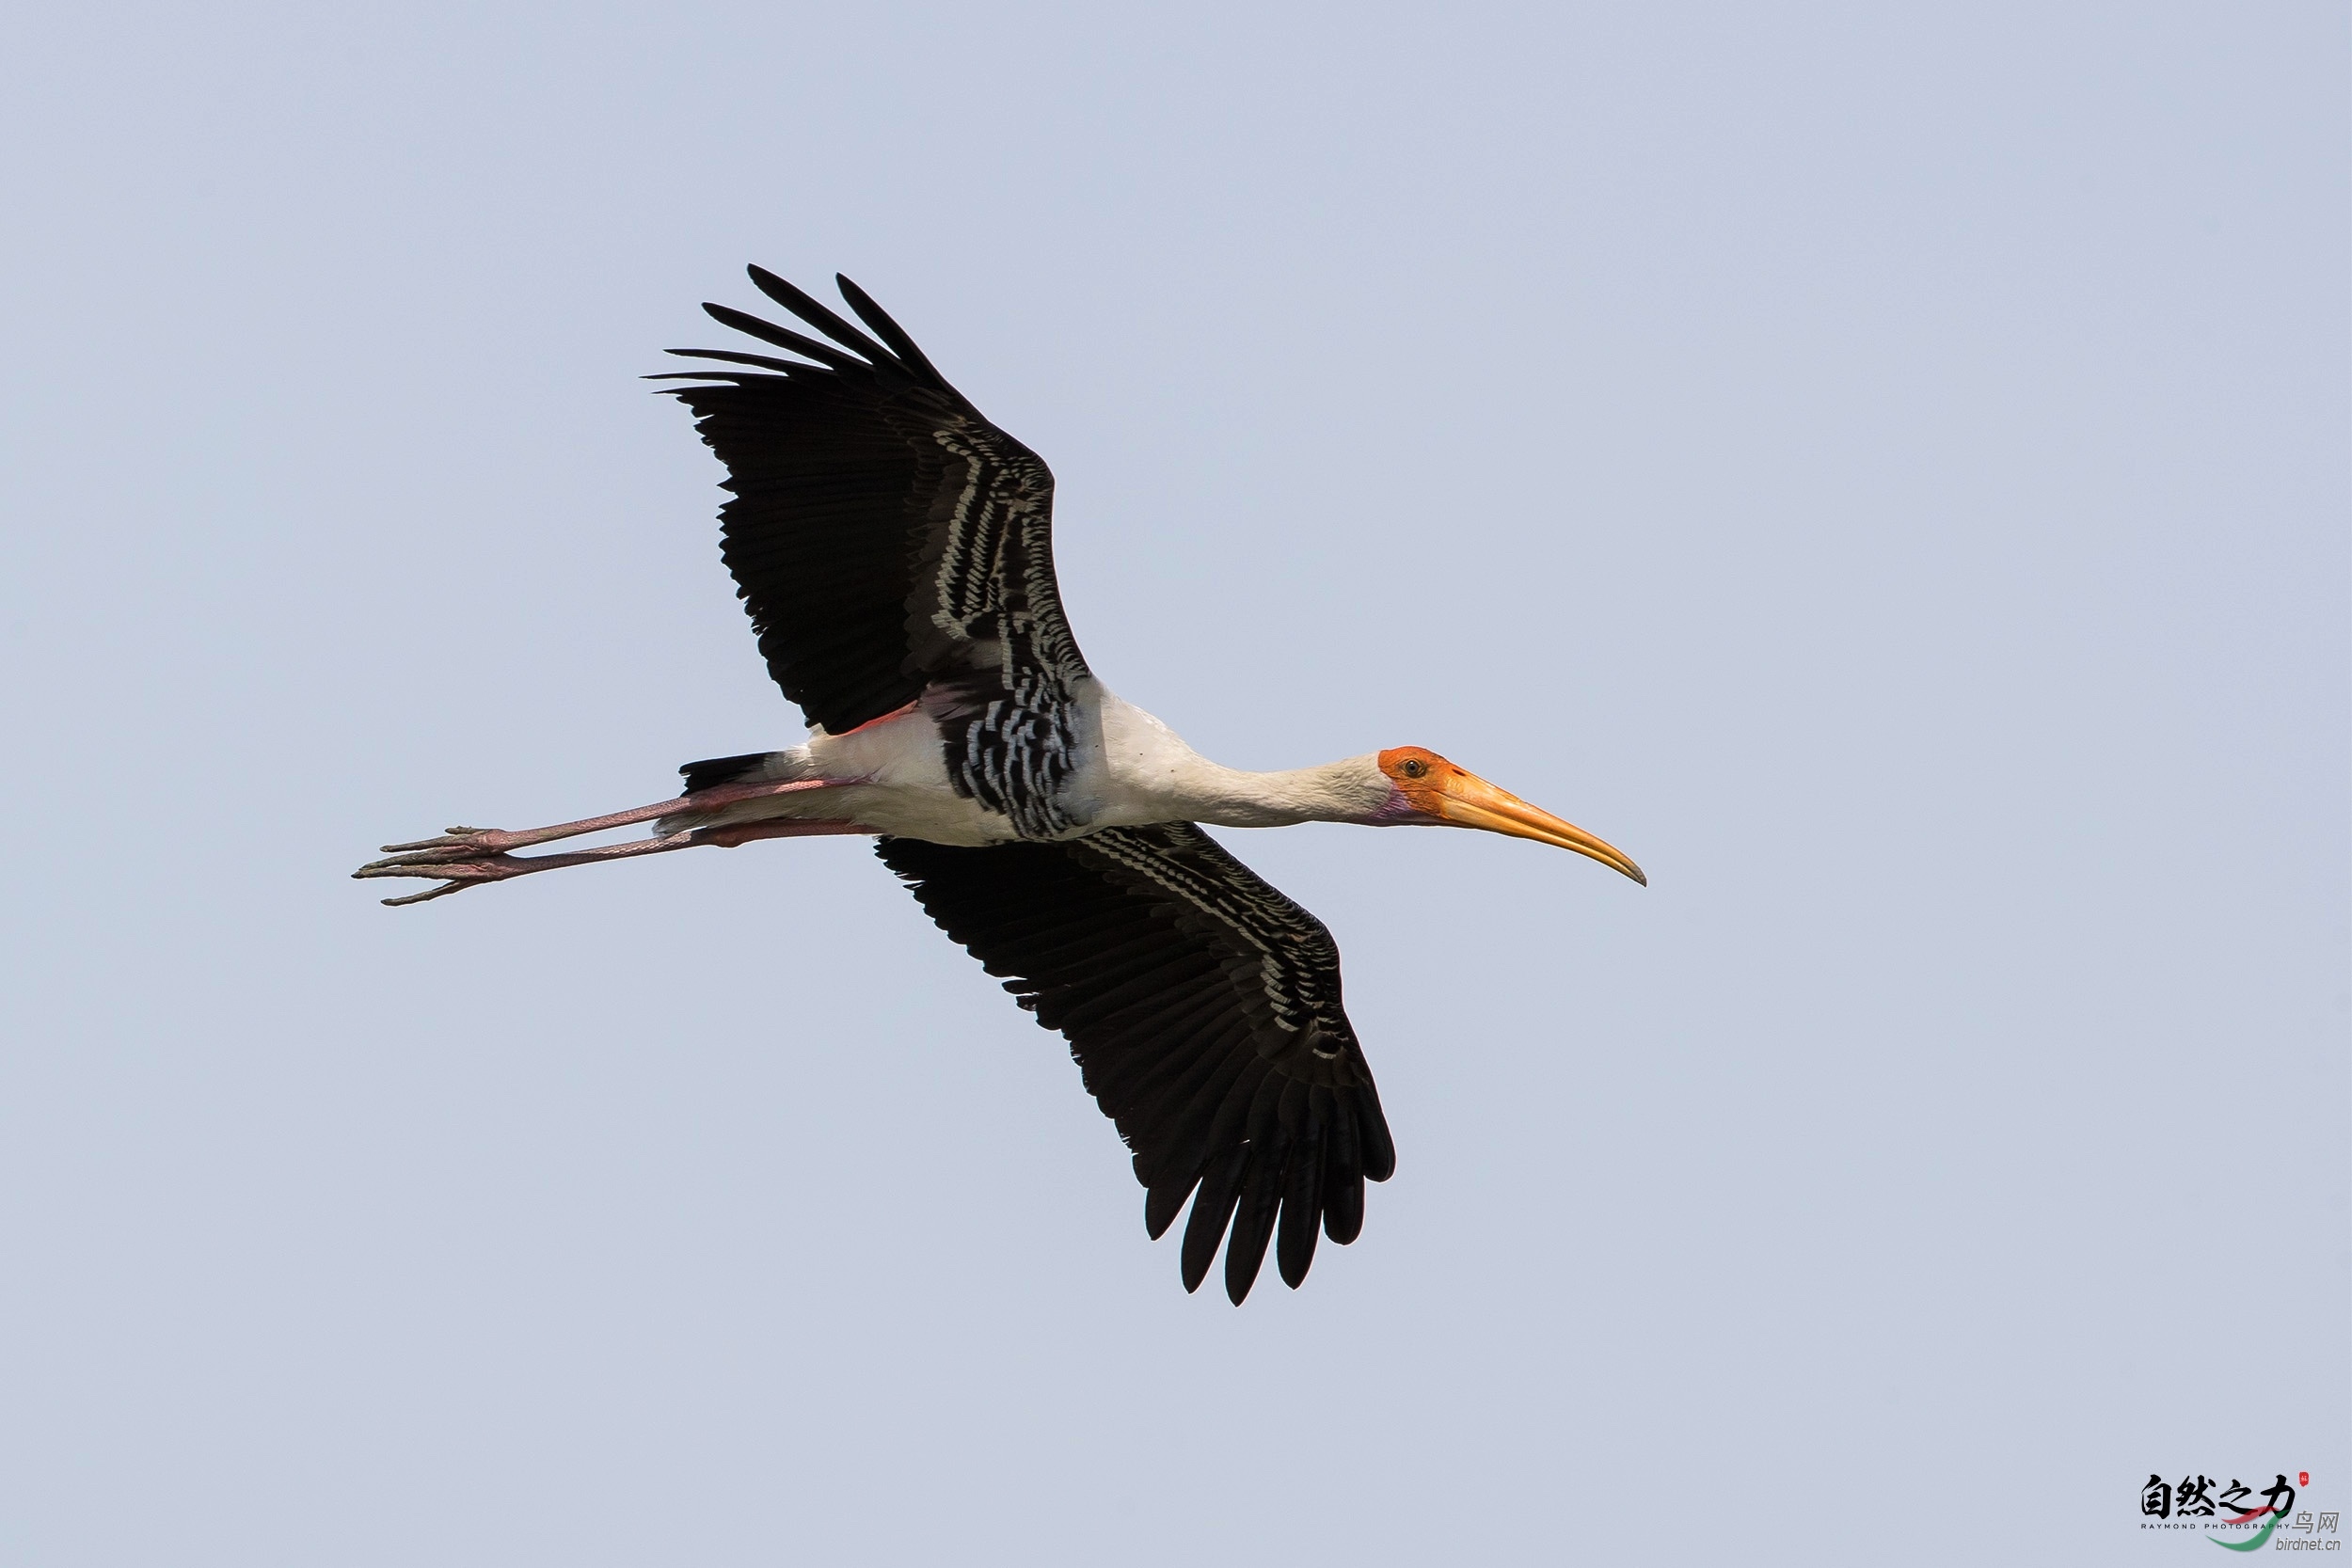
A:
[894,551]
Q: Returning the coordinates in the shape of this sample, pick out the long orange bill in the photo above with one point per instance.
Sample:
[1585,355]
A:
[1470,800]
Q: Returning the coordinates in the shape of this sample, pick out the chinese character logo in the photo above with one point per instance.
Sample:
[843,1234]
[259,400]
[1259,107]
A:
[2197,1496]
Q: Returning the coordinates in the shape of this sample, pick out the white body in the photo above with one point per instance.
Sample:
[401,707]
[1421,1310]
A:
[1133,770]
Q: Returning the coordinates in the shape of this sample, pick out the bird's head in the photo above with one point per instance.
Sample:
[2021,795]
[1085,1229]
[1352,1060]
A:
[1425,788]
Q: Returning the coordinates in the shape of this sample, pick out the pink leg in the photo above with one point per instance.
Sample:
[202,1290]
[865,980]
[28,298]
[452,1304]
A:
[677,805]
[459,865]
[459,869]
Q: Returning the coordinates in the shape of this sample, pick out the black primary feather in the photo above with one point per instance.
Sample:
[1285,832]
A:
[890,332]
[818,315]
[784,337]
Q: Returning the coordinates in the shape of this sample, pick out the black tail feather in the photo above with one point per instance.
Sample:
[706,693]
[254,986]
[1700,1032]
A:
[713,771]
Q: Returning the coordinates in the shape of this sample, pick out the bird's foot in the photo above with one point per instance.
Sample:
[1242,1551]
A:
[460,859]
[457,843]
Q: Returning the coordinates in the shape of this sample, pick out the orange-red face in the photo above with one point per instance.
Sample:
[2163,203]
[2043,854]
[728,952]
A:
[1437,789]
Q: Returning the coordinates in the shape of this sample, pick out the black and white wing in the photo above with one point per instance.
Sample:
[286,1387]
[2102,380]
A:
[1203,1009]
[894,547]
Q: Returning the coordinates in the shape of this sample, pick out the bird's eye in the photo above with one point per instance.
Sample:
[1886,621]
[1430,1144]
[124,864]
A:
[1414,767]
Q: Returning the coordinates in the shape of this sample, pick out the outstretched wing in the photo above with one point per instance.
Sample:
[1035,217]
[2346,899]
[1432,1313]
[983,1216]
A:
[893,546]
[1203,1009]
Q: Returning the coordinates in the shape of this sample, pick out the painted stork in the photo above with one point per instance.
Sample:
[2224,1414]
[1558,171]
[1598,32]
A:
[894,551]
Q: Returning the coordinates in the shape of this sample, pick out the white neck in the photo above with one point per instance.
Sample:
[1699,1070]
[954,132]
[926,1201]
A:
[1155,777]
[1345,791]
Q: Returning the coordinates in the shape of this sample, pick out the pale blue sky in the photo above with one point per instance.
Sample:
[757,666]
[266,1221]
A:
[1884,468]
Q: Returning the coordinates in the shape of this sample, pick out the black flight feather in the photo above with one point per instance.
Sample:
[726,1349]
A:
[784,337]
[816,315]
[767,362]
[890,331]
[1202,1009]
